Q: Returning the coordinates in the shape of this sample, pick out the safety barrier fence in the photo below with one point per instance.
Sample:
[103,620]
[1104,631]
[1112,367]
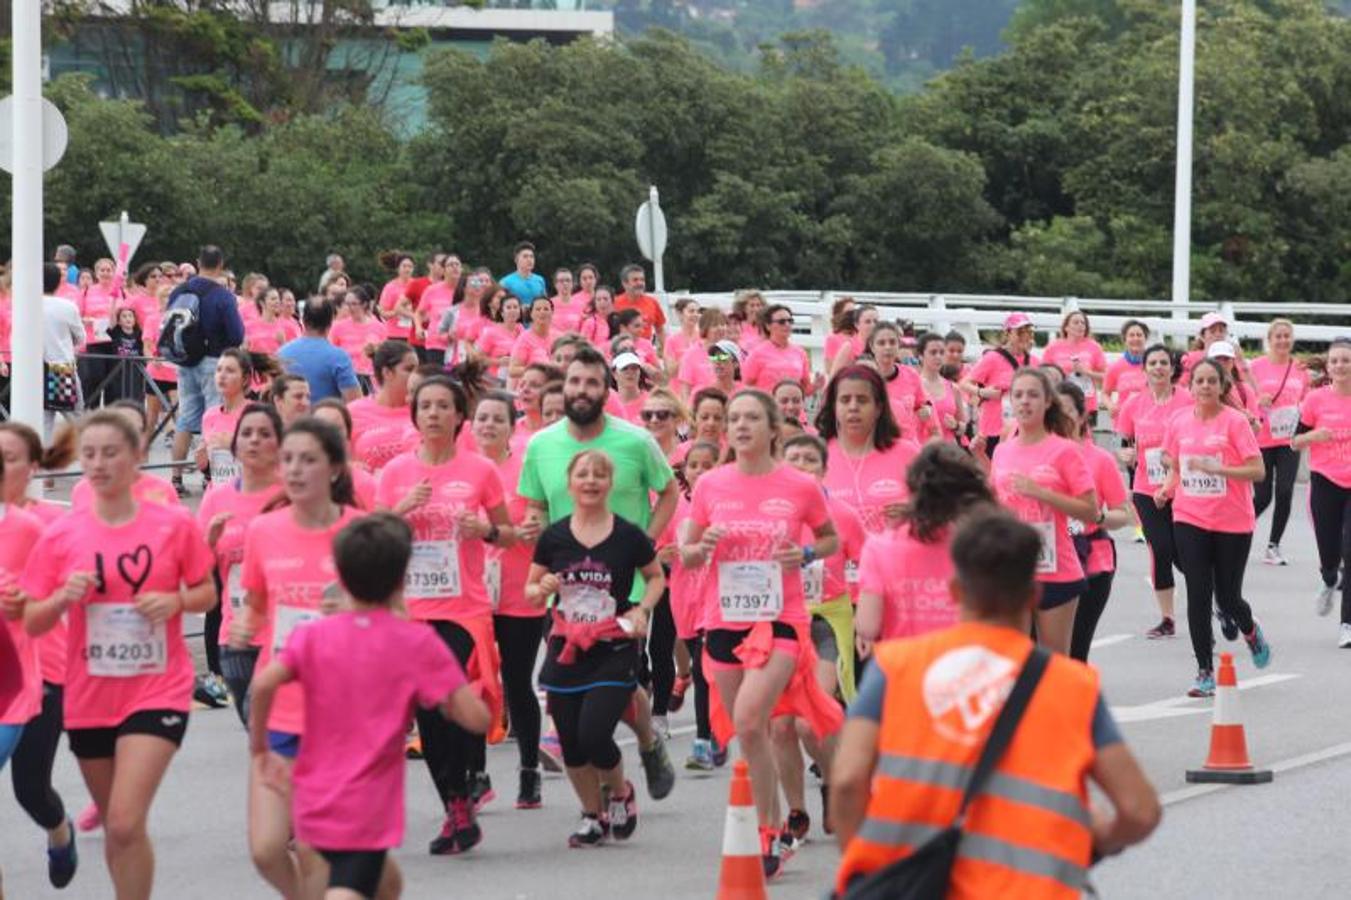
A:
[126,376]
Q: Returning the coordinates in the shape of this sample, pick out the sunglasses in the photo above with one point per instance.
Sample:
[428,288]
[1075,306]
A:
[778,321]
[656,415]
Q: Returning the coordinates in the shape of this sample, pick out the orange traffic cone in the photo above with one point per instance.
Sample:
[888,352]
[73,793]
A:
[742,876]
[1228,762]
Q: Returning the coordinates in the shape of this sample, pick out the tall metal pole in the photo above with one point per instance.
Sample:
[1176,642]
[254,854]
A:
[658,276]
[1182,201]
[26,215]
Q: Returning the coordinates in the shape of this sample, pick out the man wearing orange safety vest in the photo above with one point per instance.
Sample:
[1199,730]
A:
[921,718]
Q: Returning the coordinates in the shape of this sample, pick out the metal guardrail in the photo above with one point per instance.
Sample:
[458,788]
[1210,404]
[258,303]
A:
[126,370]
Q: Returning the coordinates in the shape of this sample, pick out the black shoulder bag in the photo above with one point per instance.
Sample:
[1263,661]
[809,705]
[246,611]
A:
[924,874]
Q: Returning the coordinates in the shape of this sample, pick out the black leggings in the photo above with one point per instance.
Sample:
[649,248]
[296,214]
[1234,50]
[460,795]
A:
[586,722]
[1213,563]
[31,765]
[1157,525]
[661,639]
[1091,604]
[1330,505]
[702,729]
[1282,466]
[448,749]
[237,669]
[211,635]
[518,640]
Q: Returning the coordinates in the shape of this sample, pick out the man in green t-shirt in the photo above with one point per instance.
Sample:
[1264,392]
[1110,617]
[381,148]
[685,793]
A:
[641,470]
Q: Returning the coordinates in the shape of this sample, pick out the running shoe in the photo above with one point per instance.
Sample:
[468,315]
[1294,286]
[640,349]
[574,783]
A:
[662,726]
[481,790]
[682,684]
[770,851]
[623,813]
[658,771]
[719,754]
[826,825]
[63,861]
[1344,636]
[444,843]
[206,692]
[799,823]
[1258,646]
[90,819]
[551,753]
[1204,685]
[1228,627]
[1165,629]
[467,833]
[528,795]
[701,756]
[412,748]
[1274,556]
[1139,535]
[589,833]
[1323,601]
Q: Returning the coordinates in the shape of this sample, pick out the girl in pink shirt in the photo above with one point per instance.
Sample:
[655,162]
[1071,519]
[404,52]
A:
[224,516]
[746,519]
[146,487]
[626,401]
[709,409]
[792,403]
[498,337]
[595,324]
[431,310]
[1080,357]
[868,457]
[847,346]
[988,381]
[1126,376]
[1281,383]
[289,581]
[1142,421]
[397,308]
[695,370]
[1092,540]
[382,425]
[518,625]
[362,671]
[904,572]
[455,504]
[1213,460]
[568,307]
[535,344]
[675,345]
[1042,478]
[364,485]
[943,415]
[1325,428]
[125,572]
[19,532]
[233,372]
[271,329]
[470,316]
[359,333]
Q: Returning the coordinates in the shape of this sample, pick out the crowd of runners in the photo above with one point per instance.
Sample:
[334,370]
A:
[421,508]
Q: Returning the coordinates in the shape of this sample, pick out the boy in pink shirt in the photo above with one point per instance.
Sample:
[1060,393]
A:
[363,671]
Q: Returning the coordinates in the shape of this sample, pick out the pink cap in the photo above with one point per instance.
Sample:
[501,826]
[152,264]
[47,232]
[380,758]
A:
[1017,320]
[1213,318]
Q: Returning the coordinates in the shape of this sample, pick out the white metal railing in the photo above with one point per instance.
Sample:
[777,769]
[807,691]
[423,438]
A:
[971,314]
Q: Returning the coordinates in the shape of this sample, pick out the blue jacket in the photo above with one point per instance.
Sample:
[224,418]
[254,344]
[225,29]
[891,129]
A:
[218,313]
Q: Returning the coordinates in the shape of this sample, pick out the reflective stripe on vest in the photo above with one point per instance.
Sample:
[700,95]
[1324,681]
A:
[1008,787]
[979,847]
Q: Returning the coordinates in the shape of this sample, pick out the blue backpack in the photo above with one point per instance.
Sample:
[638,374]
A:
[180,337]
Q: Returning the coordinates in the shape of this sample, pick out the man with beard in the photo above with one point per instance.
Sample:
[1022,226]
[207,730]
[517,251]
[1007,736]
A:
[640,470]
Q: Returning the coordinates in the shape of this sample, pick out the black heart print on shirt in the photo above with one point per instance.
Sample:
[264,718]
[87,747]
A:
[134,567]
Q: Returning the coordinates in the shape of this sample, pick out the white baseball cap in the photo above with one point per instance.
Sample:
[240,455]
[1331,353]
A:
[624,360]
[1221,350]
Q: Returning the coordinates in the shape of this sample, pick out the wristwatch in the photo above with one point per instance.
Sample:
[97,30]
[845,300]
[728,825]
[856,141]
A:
[493,534]
[808,555]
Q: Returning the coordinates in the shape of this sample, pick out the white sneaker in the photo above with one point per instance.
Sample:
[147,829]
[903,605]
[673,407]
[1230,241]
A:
[662,727]
[1344,638]
[1274,557]
[1323,600]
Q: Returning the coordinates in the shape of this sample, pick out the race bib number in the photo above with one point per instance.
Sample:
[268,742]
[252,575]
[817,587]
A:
[585,604]
[851,572]
[814,582]
[750,591]
[433,571]
[1046,559]
[1196,483]
[492,580]
[289,618]
[1284,420]
[122,643]
[1155,470]
[234,587]
[224,467]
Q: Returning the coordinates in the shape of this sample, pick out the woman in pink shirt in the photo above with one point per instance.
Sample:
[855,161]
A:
[777,358]
[943,416]
[1079,356]
[848,351]
[457,509]
[626,400]
[471,315]
[233,371]
[534,344]
[664,416]
[224,516]
[746,519]
[1142,422]
[595,323]
[988,382]
[568,306]
[747,310]
[498,337]
[904,392]
[289,581]
[695,371]
[436,300]
[709,410]
[381,423]
[904,572]
[868,455]
[396,307]
[518,625]
[1325,428]
[124,572]
[271,329]
[359,333]
[792,403]
[843,331]
[147,487]
[1281,383]
[333,411]
[1213,460]
[1092,540]
[673,350]
[1126,376]
[98,305]
[1043,480]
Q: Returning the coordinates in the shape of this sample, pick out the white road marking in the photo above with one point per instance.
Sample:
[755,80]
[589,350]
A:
[1181,706]
[1285,765]
[1109,640]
